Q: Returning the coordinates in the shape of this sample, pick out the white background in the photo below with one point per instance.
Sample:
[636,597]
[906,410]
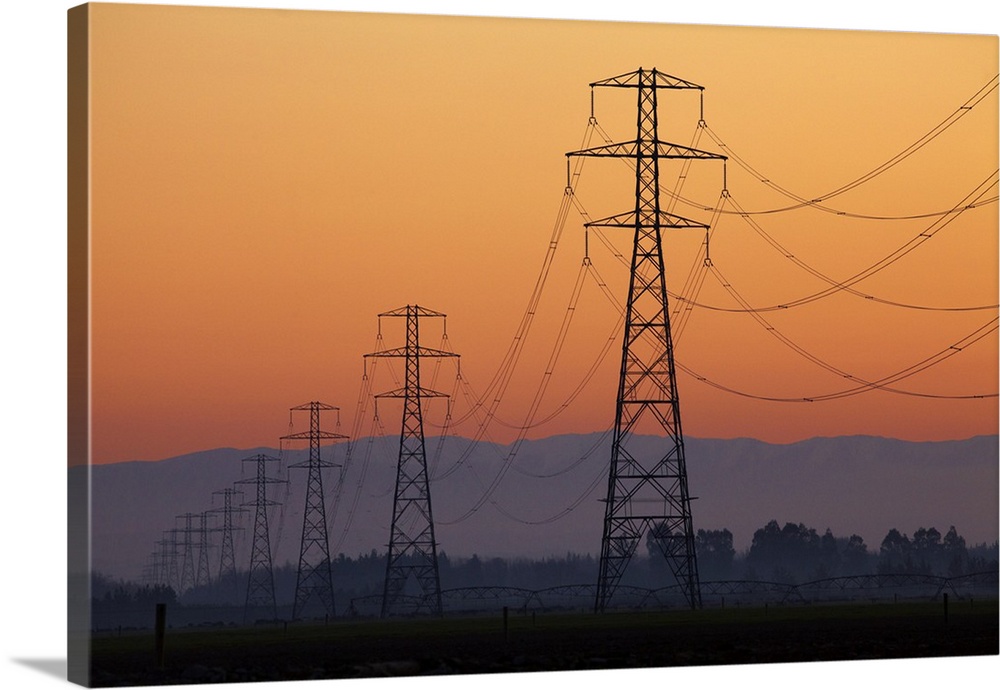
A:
[33,332]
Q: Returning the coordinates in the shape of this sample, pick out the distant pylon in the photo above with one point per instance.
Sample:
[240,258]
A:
[203,576]
[169,573]
[151,569]
[260,581]
[315,576]
[227,559]
[412,547]
[647,485]
[188,574]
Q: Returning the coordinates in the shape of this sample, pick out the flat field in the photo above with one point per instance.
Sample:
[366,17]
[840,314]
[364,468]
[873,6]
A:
[347,648]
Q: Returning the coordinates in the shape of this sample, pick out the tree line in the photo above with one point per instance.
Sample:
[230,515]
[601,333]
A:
[789,554]
[795,553]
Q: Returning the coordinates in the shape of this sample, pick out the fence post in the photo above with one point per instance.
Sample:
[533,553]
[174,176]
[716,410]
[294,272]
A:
[945,598]
[161,629]
[505,636]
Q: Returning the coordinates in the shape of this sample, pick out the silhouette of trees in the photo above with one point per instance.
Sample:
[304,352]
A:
[789,554]
[894,553]
[786,554]
[713,549]
[854,556]
[108,594]
[927,553]
[715,553]
[956,554]
[982,557]
[796,553]
[926,550]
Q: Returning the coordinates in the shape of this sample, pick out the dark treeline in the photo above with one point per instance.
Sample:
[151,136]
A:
[795,553]
[790,554]
[356,577]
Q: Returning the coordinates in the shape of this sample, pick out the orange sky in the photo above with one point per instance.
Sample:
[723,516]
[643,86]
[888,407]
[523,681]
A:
[265,182]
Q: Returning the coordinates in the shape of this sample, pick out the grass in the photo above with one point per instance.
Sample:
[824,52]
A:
[552,641]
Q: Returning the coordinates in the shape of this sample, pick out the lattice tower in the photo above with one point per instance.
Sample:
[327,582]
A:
[647,483]
[412,553]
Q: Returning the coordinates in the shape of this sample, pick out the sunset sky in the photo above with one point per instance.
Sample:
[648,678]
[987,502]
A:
[265,182]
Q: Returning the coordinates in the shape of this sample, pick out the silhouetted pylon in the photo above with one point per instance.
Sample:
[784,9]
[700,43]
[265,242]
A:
[412,547]
[168,570]
[647,485]
[315,576]
[188,574]
[260,581]
[227,558]
[203,576]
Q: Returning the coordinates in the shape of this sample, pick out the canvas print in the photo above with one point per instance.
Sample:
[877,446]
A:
[419,345]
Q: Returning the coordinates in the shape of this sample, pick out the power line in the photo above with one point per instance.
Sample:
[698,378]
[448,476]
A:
[882,383]
[836,286]
[961,111]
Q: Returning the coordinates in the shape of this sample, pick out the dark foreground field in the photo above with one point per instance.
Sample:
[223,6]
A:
[550,642]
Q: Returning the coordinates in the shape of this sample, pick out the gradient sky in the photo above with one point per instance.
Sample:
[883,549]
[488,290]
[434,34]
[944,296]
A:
[265,182]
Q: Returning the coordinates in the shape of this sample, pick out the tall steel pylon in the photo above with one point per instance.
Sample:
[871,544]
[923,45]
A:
[647,486]
[151,573]
[260,581]
[204,575]
[412,547]
[168,560]
[189,577]
[315,576]
[227,559]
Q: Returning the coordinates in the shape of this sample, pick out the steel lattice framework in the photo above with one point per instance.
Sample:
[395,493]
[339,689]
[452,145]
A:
[203,576]
[412,547]
[647,489]
[168,572]
[260,581]
[315,576]
[188,577]
[227,559]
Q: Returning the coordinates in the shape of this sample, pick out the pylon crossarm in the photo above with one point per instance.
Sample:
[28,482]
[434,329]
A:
[406,352]
[313,463]
[416,309]
[267,502]
[261,480]
[422,392]
[646,149]
[629,219]
[647,78]
[314,406]
[308,435]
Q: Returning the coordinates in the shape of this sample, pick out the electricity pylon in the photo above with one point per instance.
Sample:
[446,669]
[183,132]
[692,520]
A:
[168,560]
[189,577]
[314,574]
[260,581]
[227,559]
[647,486]
[151,570]
[412,548]
[203,576]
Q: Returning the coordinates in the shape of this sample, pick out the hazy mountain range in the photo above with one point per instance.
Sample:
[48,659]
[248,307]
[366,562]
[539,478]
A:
[548,497]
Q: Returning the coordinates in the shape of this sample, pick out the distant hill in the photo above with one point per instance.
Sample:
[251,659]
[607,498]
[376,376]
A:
[548,499]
